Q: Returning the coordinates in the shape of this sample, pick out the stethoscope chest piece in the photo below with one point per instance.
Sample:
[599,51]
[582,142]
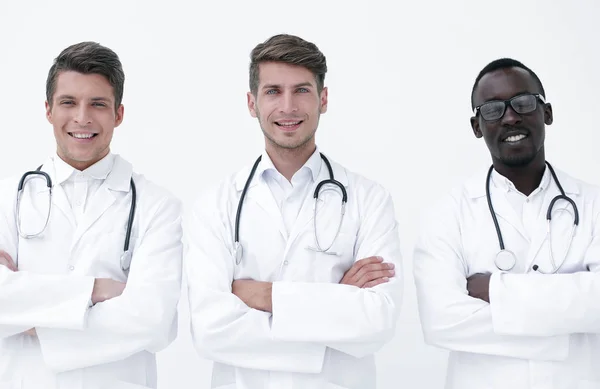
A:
[505,260]
[238,252]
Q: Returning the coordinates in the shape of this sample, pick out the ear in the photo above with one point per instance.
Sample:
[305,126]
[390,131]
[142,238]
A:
[548,117]
[48,112]
[252,104]
[119,115]
[324,100]
[476,128]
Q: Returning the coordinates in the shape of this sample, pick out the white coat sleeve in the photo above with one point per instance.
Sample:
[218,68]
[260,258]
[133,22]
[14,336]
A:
[549,304]
[144,317]
[356,321]
[224,329]
[29,300]
[450,318]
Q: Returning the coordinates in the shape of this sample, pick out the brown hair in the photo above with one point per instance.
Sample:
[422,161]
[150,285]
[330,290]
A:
[88,58]
[288,49]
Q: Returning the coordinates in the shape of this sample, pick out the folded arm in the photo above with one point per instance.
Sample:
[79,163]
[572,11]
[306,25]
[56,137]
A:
[450,318]
[143,317]
[224,329]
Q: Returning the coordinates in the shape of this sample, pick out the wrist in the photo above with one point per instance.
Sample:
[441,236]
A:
[268,297]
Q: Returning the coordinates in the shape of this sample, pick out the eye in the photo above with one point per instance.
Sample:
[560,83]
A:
[67,102]
[98,104]
[271,91]
[303,90]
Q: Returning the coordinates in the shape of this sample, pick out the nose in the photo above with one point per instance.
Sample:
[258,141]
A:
[82,115]
[288,103]
[511,117]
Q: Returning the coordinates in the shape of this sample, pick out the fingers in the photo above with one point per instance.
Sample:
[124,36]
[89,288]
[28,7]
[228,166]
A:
[374,275]
[350,274]
[7,262]
[376,282]
[373,271]
[368,270]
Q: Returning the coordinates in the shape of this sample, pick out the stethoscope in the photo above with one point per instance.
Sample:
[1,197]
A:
[237,247]
[505,259]
[125,257]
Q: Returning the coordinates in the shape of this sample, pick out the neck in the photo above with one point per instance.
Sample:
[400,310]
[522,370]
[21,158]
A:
[81,165]
[525,178]
[289,161]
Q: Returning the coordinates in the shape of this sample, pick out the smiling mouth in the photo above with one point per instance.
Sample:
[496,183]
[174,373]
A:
[289,124]
[82,136]
[515,138]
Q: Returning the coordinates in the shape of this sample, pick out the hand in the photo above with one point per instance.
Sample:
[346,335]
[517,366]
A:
[105,289]
[478,286]
[30,332]
[368,272]
[255,294]
[7,261]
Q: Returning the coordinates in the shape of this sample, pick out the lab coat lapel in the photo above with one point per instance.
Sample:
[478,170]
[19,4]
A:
[260,194]
[118,180]
[98,204]
[59,197]
[505,212]
[60,201]
[562,223]
[328,208]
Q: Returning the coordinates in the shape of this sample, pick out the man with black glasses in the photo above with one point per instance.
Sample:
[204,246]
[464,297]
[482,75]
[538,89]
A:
[505,265]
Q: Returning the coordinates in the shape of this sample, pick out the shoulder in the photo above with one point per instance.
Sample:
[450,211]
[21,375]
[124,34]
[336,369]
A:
[150,196]
[360,186]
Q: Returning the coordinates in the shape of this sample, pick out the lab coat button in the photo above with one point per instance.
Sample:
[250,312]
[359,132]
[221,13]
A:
[285,262]
[71,267]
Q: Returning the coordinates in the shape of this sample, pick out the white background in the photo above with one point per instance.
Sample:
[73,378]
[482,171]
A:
[400,77]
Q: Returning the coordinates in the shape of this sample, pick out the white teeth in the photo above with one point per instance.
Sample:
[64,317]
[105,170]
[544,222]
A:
[288,123]
[515,138]
[82,136]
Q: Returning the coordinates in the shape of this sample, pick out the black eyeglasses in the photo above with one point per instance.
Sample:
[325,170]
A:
[522,104]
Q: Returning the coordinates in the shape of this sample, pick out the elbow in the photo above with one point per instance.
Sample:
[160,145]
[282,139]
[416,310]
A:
[157,327]
[387,313]
[438,334]
[208,341]
[162,334]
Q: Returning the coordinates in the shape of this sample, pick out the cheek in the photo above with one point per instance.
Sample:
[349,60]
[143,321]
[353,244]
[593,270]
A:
[59,118]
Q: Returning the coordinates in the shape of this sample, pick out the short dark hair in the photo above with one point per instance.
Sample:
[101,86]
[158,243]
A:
[504,63]
[288,49]
[88,58]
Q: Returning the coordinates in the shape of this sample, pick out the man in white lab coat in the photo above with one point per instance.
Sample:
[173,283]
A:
[73,313]
[282,313]
[527,316]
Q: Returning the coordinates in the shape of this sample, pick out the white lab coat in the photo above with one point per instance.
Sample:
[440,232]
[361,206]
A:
[538,331]
[321,334]
[112,344]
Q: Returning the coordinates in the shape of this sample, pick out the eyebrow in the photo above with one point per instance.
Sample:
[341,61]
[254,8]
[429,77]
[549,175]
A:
[69,97]
[106,99]
[523,92]
[277,86]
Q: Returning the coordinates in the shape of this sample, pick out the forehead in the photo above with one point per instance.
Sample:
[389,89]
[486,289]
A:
[83,85]
[279,73]
[502,84]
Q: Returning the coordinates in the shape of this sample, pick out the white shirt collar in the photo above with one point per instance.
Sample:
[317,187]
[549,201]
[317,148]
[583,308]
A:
[99,171]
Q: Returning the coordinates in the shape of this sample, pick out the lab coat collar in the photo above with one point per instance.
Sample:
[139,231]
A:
[315,163]
[475,186]
[113,169]
[120,176]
